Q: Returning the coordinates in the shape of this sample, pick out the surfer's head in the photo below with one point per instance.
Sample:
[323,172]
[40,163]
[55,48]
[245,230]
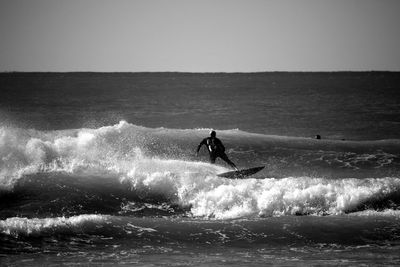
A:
[213,133]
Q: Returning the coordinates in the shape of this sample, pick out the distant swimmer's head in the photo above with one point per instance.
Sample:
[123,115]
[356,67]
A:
[213,133]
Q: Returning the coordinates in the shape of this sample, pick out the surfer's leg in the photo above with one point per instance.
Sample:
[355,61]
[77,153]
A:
[225,158]
[213,157]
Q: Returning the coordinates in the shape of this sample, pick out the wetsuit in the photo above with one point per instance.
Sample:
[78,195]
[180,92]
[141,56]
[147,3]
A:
[215,149]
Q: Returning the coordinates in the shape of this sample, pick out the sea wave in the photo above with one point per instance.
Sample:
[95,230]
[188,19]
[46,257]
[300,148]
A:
[197,194]
[295,196]
[28,151]
[105,170]
[114,231]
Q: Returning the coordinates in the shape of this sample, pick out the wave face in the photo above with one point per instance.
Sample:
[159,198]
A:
[125,169]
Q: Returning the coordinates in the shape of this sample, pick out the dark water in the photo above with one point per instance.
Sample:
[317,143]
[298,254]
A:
[360,106]
[100,169]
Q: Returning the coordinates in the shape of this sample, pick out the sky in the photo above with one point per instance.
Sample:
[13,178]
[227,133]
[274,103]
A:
[199,35]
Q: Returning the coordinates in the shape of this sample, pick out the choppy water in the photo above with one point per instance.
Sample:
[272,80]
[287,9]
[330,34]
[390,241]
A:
[121,193]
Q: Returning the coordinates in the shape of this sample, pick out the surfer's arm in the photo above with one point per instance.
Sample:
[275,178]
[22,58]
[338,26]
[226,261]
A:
[204,142]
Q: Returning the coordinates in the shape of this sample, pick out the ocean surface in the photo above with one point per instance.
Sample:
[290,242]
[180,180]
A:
[101,169]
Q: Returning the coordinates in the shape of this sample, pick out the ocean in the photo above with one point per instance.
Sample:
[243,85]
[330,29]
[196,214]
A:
[101,169]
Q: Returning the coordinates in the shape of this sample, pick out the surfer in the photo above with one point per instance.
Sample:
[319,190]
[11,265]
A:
[216,149]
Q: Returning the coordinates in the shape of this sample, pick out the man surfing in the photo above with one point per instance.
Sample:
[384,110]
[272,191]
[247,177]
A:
[215,149]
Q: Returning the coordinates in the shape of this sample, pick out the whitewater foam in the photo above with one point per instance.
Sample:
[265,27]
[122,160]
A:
[24,226]
[24,152]
[375,213]
[290,196]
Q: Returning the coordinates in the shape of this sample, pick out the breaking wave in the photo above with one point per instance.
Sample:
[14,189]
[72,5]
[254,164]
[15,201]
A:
[128,169]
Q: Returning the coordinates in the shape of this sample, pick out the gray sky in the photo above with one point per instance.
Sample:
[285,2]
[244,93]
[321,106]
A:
[199,36]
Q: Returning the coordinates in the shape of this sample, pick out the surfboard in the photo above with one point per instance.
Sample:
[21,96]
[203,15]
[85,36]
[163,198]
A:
[241,174]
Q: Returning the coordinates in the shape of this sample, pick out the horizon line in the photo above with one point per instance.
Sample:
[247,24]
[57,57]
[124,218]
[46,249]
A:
[210,72]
